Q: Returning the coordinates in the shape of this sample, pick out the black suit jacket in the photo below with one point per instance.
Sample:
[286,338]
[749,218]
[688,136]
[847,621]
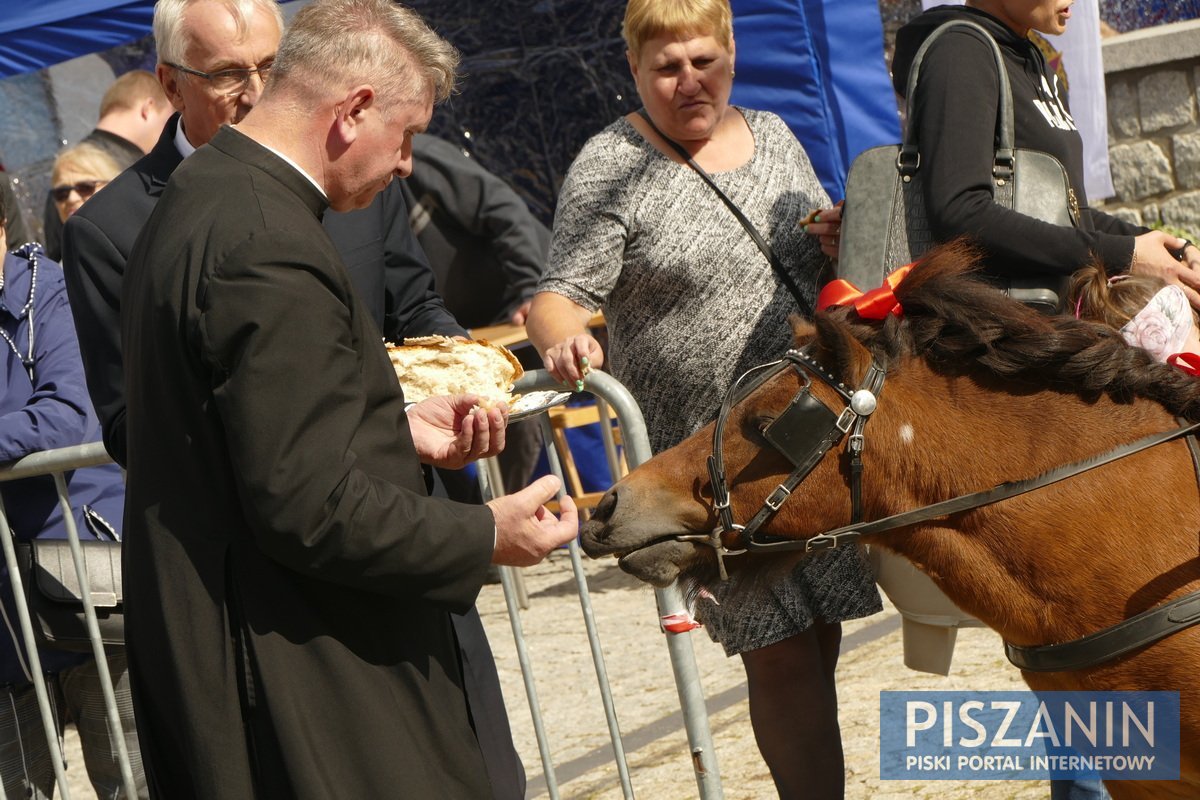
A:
[275,509]
[386,264]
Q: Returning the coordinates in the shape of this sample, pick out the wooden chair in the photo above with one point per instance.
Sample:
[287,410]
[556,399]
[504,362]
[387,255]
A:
[559,421]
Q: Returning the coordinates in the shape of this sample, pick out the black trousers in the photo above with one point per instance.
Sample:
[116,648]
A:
[486,703]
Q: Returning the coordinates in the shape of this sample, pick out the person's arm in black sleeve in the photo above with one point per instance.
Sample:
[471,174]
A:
[94,269]
[412,305]
[955,112]
[486,207]
[290,395]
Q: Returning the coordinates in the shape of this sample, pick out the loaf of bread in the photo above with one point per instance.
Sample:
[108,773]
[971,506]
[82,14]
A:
[438,365]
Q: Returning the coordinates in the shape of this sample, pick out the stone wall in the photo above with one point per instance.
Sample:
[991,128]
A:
[1153,83]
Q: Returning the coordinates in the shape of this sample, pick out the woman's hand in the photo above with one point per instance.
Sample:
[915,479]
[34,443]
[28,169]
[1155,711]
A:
[1154,253]
[571,359]
[826,225]
[452,431]
[557,326]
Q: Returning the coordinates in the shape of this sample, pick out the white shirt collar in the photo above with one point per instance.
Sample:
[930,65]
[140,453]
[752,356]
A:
[181,142]
[299,169]
[185,149]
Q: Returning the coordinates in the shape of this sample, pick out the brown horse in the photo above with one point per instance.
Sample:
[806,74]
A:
[979,391]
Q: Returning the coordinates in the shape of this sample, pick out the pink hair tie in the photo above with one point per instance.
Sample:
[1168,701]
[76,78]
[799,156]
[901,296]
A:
[1110,282]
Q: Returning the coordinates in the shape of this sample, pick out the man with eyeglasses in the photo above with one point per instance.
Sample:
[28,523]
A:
[214,56]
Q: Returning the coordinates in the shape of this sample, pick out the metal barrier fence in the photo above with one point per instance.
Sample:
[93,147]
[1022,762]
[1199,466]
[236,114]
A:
[608,391]
[57,463]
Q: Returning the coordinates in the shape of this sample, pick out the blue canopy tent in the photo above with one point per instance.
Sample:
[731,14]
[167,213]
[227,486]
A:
[39,33]
[818,64]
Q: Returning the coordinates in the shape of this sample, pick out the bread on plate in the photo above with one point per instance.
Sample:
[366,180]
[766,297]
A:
[428,366]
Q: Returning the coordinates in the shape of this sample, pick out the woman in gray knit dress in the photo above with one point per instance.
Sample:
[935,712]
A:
[691,303]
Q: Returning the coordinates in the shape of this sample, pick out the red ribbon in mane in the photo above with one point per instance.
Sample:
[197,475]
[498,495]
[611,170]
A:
[1188,362]
[875,304]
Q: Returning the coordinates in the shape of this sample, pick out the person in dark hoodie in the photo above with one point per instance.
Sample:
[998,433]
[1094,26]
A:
[956,118]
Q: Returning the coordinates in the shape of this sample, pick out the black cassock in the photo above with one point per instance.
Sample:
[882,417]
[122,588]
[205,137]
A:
[287,580]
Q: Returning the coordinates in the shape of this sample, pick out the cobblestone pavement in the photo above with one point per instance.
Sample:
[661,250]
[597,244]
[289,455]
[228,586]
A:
[647,706]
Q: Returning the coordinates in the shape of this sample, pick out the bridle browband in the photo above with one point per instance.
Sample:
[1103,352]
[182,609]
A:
[807,430]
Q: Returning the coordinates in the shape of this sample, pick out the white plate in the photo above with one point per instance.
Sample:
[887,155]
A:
[532,403]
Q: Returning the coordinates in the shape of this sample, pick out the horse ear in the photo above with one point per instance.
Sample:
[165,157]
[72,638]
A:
[802,329]
[837,349]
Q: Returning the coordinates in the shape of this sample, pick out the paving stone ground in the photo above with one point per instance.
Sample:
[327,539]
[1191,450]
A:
[647,705]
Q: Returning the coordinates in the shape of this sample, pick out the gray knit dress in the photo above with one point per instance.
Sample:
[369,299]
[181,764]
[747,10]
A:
[691,303]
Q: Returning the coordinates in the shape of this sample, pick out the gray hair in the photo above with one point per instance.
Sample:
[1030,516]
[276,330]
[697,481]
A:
[340,43]
[170,38]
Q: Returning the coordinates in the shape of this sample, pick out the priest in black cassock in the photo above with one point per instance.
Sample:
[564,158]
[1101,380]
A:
[288,581]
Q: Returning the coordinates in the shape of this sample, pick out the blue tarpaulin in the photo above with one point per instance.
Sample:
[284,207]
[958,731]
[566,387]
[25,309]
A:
[819,64]
[38,33]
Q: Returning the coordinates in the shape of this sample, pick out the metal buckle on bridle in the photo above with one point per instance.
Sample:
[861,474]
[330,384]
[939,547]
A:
[714,540]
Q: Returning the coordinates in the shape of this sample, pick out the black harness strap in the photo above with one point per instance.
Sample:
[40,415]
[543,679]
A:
[1137,631]
[1096,648]
[966,502]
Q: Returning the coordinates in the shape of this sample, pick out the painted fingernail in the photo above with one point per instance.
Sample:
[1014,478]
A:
[817,218]
[579,386]
[583,361]
[804,228]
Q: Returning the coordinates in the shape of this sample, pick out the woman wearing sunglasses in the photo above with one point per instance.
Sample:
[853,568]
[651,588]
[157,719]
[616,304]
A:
[79,172]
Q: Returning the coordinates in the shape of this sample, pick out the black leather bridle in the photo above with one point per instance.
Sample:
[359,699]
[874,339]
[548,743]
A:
[808,429]
[803,432]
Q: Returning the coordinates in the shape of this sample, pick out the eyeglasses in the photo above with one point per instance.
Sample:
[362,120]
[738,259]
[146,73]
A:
[84,189]
[227,82]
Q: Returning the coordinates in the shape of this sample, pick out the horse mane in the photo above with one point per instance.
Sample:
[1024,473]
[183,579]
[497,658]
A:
[958,323]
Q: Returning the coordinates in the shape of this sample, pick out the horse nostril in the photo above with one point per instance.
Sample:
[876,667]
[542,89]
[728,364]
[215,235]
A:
[606,506]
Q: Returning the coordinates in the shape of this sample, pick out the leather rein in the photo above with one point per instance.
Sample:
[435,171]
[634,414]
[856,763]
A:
[808,429]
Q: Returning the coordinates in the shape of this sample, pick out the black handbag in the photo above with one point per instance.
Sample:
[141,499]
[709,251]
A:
[55,601]
[884,221]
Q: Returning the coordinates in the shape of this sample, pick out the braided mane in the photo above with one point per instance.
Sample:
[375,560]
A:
[958,324]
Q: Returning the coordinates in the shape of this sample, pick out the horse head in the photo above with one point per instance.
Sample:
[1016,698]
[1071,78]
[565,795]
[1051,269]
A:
[661,520]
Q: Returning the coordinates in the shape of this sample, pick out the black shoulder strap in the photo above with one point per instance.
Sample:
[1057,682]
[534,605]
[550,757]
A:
[783,274]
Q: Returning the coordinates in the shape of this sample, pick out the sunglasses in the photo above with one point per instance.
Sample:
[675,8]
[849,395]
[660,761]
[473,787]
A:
[84,189]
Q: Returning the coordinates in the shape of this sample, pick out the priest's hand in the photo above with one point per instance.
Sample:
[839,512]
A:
[526,531]
[452,431]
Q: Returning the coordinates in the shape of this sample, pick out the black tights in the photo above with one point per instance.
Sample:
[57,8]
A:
[793,710]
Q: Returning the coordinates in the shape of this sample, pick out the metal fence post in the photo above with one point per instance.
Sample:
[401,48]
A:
[683,658]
